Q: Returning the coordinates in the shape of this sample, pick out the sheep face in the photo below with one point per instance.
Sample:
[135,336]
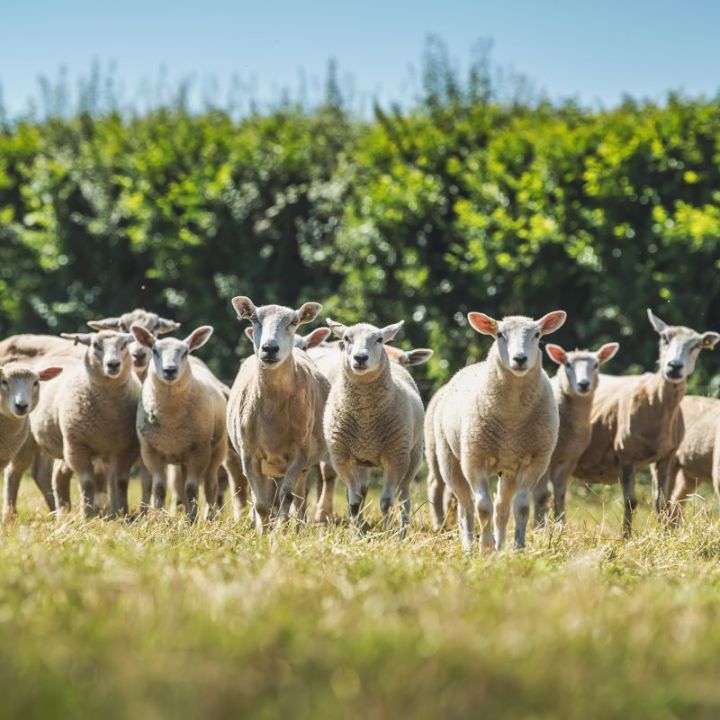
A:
[582,367]
[363,345]
[679,348]
[170,356]
[149,320]
[108,352]
[273,328]
[517,338]
[20,388]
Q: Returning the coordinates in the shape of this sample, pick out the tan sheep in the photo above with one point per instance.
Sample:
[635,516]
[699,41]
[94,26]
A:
[90,415]
[497,417]
[275,410]
[574,386]
[636,420]
[19,394]
[181,420]
[373,418]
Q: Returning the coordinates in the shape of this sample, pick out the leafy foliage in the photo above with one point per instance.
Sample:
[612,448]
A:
[464,202]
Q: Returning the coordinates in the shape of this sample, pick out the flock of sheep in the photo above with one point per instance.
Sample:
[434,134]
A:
[123,396]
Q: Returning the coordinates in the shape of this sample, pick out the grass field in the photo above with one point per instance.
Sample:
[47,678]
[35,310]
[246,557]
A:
[155,619]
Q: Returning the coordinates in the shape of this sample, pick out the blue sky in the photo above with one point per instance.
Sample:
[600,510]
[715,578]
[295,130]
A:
[594,51]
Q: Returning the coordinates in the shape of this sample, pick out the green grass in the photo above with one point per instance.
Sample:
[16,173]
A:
[156,619]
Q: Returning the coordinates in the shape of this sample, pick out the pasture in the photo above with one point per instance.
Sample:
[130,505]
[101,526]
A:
[156,618]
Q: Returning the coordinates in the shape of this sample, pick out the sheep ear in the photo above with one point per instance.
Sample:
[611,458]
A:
[338,329]
[552,321]
[607,352]
[710,340]
[390,331]
[482,323]
[317,336]
[655,321]
[250,333]
[418,356]
[106,324]
[308,312]
[49,373]
[166,326]
[198,337]
[82,338]
[556,354]
[143,336]
[244,307]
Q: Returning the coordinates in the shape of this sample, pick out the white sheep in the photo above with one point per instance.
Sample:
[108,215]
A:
[574,386]
[181,420]
[636,419]
[88,416]
[497,417]
[19,394]
[275,409]
[373,418]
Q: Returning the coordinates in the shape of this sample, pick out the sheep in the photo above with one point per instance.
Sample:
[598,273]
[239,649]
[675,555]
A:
[19,394]
[497,417]
[275,409]
[26,348]
[328,358]
[373,418]
[636,420]
[181,419]
[574,385]
[694,457]
[89,416]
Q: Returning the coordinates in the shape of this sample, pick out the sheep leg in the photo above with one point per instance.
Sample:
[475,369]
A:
[436,493]
[352,476]
[559,480]
[627,480]
[521,512]
[507,486]
[61,475]
[222,485]
[210,485]
[146,482]
[541,497]
[324,510]
[300,497]
[452,475]
[290,487]
[122,478]
[13,475]
[80,461]
[685,485]
[176,481]
[156,467]
[100,481]
[238,485]
[261,507]
[42,466]
[450,506]
[662,473]
[112,478]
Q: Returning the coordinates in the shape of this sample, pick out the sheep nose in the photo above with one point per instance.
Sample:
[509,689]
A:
[584,385]
[519,359]
[271,348]
[170,371]
[112,365]
[21,406]
[361,358]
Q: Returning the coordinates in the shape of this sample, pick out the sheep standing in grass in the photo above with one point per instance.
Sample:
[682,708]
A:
[636,419]
[693,460]
[181,420]
[574,385]
[497,417]
[90,415]
[373,418]
[19,394]
[275,410]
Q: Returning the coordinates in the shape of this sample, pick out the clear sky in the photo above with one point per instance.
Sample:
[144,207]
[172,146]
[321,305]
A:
[594,50]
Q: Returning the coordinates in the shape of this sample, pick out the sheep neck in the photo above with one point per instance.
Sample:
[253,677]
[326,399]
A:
[380,378]
[572,406]
[97,377]
[179,387]
[277,379]
[665,393]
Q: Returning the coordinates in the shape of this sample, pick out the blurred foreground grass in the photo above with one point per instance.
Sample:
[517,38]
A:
[155,619]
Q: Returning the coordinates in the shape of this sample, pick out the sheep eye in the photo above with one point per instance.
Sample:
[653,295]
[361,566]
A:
[537,335]
[568,366]
[379,340]
[500,336]
[665,339]
[36,383]
[4,383]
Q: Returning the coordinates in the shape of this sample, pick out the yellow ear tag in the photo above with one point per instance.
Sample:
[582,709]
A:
[708,343]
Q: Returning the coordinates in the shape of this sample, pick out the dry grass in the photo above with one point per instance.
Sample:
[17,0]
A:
[157,619]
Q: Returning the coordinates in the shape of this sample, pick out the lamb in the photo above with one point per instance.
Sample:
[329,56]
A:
[374,418]
[19,394]
[496,417]
[275,409]
[90,416]
[181,420]
[574,385]
[636,420]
